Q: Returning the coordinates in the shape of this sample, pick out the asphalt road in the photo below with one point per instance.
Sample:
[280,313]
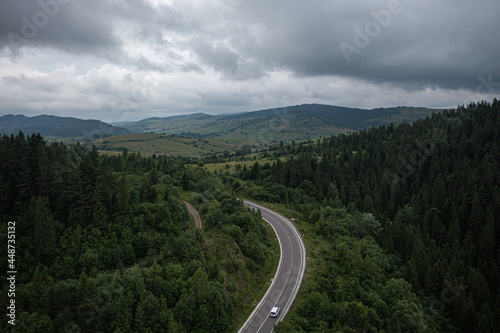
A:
[286,282]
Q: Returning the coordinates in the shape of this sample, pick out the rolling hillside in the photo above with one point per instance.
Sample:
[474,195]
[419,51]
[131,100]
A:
[159,144]
[58,127]
[200,134]
[172,125]
[299,122]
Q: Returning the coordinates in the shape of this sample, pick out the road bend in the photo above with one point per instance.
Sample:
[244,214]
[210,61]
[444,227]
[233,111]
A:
[289,274]
[194,214]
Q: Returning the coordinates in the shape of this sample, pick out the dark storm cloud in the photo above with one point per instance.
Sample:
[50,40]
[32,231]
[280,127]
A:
[420,44]
[425,43]
[90,27]
[66,26]
[222,58]
[234,55]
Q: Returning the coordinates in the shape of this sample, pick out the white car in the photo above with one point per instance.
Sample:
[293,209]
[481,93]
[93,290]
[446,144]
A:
[275,311]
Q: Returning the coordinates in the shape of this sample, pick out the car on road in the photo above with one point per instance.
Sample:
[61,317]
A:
[275,311]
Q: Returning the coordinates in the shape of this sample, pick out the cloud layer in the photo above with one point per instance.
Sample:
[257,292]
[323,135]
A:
[131,59]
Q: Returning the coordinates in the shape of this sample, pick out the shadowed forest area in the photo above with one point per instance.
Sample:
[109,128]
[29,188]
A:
[409,216]
[105,244]
[400,225]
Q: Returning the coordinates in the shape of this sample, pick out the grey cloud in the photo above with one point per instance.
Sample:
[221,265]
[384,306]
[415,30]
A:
[273,52]
[447,44]
[70,27]
[31,84]
[88,27]
[220,57]
[427,43]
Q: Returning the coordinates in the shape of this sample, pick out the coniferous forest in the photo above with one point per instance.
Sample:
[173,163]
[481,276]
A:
[105,244]
[401,226]
[410,216]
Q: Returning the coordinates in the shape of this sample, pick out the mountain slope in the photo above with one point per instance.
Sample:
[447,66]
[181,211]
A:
[434,186]
[298,122]
[170,125]
[61,127]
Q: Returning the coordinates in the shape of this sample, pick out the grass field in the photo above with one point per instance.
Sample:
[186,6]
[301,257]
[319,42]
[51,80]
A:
[231,166]
[254,131]
[160,144]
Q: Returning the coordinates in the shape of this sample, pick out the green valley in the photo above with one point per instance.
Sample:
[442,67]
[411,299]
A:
[300,122]
[398,220]
[160,144]
[215,134]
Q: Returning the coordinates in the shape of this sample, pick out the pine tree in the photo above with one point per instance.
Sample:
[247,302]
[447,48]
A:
[123,194]
[44,233]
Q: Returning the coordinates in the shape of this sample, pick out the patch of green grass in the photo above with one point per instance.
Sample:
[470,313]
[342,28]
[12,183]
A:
[252,129]
[230,166]
[222,167]
[159,144]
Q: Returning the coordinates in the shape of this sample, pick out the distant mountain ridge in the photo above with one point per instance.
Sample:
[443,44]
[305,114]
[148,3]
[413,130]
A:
[298,122]
[59,127]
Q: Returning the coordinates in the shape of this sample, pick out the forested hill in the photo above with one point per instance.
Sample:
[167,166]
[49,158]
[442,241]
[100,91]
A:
[434,185]
[353,119]
[300,122]
[61,127]
[105,244]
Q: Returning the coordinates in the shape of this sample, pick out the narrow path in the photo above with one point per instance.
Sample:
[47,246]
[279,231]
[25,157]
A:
[194,214]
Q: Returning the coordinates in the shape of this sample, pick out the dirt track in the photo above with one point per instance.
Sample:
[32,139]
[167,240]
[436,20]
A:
[194,214]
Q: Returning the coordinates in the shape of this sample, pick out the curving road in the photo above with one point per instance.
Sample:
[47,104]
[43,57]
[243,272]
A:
[194,214]
[286,282]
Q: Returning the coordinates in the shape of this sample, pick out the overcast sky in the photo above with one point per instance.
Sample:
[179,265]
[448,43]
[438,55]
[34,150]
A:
[118,60]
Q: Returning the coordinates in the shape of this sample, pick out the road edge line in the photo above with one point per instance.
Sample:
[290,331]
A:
[302,271]
[245,324]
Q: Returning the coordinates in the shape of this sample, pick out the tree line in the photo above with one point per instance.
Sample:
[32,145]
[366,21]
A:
[434,185]
[105,243]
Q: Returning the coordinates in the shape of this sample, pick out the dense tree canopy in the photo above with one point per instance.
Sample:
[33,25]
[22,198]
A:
[402,220]
[434,185]
[105,244]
